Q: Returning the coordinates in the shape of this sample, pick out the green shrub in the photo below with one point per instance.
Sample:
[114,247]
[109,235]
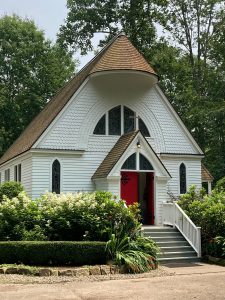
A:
[206,211]
[19,218]
[71,217]
[220,185]
[10,189]
[53,253]
[215,247]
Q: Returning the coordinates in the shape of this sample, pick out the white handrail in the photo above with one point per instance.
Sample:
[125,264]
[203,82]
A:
[174,215]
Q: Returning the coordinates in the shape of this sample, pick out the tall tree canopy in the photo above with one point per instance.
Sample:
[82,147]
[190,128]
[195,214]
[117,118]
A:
[32,69]
[189,58]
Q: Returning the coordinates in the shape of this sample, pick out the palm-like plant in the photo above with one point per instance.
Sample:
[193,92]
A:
[136,255]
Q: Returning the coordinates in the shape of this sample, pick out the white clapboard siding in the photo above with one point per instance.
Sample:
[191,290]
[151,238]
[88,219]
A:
[76,172]
[75,124]
[161,196]
[193,172]
[26,168]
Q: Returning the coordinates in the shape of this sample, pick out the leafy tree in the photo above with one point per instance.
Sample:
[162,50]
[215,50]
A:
[32,69]
[189,59]
[87,17]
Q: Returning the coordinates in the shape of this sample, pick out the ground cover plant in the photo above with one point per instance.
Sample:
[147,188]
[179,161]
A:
[208,212]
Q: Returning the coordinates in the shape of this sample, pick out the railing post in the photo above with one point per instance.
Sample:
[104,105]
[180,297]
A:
[199,241]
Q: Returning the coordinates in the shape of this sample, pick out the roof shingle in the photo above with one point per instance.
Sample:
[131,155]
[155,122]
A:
[118,54]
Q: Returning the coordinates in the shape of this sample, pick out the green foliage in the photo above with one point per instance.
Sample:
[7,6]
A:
[10,189]
[81,216]
[216,247]
[53,253]
[193,194]
[134,254]
[85,18]
[32,69]
[220,185]
[207,211]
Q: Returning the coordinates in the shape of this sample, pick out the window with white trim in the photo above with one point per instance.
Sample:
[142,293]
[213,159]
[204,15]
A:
[56,171]
[7,175]
[120,120]
[17,173]
[183,179]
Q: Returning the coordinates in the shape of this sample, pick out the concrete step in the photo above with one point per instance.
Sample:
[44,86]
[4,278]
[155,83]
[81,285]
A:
[162,234]
[164,261]
[178,254]
[172,243]
[159,229]
[179,248]
[170,239]
[173,246]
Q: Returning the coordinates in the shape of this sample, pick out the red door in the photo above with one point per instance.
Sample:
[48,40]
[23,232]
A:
[150,185]
[129,187]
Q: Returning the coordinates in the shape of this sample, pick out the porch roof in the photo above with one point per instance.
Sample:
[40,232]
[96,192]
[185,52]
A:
[114,155]
[206,175]
[117,151]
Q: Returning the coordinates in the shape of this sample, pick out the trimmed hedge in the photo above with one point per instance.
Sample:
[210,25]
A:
[52,253]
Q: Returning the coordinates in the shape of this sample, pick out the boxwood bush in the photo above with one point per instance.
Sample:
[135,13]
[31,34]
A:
[53,253]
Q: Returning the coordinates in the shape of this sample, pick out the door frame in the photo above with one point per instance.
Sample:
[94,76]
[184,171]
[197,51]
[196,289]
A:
[154,184]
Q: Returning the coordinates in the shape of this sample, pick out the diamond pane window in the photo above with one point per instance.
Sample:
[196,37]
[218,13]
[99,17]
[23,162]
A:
[183,180]
[144,163]
[115,121]
[100,127]
[143,128]
[130,163]
[56,177]
[129,120]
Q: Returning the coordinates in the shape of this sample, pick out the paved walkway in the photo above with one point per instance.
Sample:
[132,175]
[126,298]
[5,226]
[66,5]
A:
[190,281]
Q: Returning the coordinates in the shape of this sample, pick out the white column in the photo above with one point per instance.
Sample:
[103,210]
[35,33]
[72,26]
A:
[209,187]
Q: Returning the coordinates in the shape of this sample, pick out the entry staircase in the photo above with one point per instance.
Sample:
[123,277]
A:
[173,246]
[179,239]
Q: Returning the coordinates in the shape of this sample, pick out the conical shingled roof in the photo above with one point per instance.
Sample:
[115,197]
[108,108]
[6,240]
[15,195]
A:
[118,54]
[122,55]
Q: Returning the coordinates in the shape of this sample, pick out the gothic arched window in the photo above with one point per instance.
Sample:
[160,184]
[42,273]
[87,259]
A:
[144,163]
[56,177]
[130,163]
[183,179]
[100,127]
[120,120]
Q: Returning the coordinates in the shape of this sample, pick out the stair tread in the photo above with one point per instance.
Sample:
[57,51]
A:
[177,258]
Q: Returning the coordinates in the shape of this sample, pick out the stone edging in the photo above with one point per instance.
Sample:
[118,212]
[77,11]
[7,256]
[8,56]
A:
[81,271]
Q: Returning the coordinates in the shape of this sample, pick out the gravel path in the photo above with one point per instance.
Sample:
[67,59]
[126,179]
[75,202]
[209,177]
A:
[21,279]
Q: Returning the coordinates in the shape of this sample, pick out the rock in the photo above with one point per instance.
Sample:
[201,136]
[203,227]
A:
[95,270]
[214,259]
[2,271]
[105,270]
[82,272]
[55,272]
[45,272]
[11,271]
[25,271]
[114,269]
[67,273]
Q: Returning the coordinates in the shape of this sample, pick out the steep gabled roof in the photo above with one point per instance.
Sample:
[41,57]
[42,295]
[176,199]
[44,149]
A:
[206,175]
[118,54]
[116,153]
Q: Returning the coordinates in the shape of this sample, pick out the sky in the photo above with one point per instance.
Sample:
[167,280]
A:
[48,15]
